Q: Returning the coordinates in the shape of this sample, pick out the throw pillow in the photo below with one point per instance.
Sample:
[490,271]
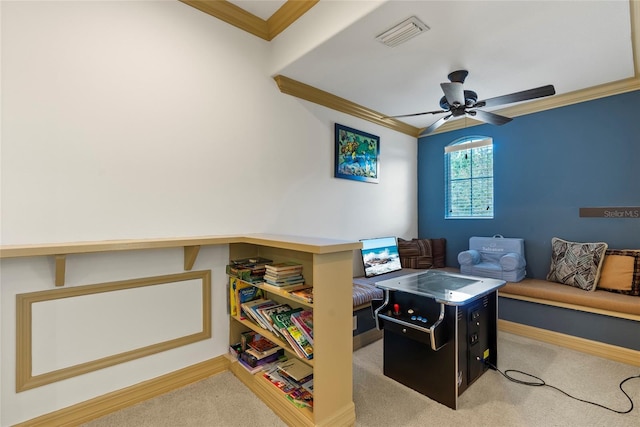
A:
[415,253]
[422,253]
[439,252]
[576,264]
[621,272]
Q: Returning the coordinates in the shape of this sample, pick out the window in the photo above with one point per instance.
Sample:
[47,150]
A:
[469,178]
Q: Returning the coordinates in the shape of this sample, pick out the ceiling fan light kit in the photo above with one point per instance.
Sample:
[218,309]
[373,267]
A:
[459,102]
[402,32]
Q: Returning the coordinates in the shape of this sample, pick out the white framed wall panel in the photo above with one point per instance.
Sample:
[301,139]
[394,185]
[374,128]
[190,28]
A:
[61,333]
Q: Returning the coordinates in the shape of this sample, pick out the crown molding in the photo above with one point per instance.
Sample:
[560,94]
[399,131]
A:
[287,15]
[238,17]
[326,99]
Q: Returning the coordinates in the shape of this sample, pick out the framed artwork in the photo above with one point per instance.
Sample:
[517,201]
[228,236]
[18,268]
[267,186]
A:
[357,154]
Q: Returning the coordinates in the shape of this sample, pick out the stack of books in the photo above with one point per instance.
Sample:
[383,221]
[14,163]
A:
[294,378]
[257,353]
[305,294]
[284,275]
[250,270]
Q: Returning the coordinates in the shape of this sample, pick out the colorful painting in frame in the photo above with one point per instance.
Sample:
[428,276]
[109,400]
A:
[357,154]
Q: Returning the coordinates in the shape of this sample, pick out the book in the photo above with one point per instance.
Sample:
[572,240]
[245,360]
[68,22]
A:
[300,340]
[278,380]
[246,313]
[296,370]
[266,313]
[304,321]
[259,367]
[283,267]
[245,293]
[257,345]
[301,398]
[281,321]
[291,333]
[286,281]
[261,346]
[251,261]
[305,294]
[240,292]
[253,361]
[283,274]
[286,288]
[251,309]
[235,350]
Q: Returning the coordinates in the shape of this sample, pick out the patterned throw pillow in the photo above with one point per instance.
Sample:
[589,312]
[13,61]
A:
[576,264]
[422,253]
[621,272]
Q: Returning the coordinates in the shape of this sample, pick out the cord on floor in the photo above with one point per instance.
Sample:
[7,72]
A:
[541,383]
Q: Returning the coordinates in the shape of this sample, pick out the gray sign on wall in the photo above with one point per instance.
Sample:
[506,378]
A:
[611,212]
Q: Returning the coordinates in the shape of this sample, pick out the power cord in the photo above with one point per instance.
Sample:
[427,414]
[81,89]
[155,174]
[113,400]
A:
[541,383]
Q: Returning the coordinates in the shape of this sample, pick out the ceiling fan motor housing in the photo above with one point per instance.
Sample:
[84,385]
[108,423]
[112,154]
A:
[470,98]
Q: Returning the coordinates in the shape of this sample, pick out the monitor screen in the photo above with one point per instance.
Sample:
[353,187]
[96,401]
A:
[380,256]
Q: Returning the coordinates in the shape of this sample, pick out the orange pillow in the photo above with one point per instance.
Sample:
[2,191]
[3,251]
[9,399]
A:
[621,272]
[617,273]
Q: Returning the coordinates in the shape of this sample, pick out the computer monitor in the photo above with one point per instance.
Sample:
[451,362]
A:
[380,255]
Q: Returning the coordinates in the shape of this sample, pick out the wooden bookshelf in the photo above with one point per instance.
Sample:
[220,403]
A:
[327,266]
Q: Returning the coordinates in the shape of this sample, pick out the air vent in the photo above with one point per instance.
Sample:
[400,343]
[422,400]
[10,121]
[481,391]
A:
[402,32]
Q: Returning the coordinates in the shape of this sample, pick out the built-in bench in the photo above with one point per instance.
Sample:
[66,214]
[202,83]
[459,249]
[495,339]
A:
[598,322]
[551,293]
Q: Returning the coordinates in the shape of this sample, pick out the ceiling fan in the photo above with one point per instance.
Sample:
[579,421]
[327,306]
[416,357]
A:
[459,102]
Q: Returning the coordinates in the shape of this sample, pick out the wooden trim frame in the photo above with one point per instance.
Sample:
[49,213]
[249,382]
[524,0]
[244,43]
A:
[24,302]
[608,351]
[238,17]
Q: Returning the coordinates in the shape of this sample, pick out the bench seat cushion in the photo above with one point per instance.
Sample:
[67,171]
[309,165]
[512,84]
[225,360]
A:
[599,299]
[364,293]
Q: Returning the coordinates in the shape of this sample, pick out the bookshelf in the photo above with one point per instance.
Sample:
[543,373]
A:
[328,267]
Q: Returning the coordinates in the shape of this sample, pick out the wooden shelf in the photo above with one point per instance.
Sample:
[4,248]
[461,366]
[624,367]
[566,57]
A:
[330,271]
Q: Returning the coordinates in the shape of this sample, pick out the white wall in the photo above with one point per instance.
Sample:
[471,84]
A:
[152,119]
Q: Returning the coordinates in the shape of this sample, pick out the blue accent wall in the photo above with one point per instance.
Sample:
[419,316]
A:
[547,165]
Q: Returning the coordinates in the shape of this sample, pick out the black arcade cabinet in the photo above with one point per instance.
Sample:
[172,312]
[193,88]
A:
[439,330]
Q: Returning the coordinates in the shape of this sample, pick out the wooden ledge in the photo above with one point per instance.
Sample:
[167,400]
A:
[191,247]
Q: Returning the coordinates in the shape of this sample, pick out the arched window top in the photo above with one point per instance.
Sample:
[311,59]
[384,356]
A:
[468,142]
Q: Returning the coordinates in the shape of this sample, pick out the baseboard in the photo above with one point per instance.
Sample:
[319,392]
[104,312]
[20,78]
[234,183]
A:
[607,351]
[102,405]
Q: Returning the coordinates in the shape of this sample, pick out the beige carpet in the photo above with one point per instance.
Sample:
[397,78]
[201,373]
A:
[492,400]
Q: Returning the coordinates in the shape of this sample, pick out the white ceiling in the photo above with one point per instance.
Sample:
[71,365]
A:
[507,46]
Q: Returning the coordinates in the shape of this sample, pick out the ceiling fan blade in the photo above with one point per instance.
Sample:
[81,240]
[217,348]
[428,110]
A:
[414,114]
[453,92]
[525,95]
[488,117]
[435,125]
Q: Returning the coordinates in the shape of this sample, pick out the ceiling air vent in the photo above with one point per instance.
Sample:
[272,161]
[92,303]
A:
[402,32]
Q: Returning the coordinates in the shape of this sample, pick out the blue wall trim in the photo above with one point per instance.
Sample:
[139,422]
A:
[547,165]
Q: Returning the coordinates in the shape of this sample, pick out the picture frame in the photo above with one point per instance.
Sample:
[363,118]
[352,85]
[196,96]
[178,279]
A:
[357,154]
